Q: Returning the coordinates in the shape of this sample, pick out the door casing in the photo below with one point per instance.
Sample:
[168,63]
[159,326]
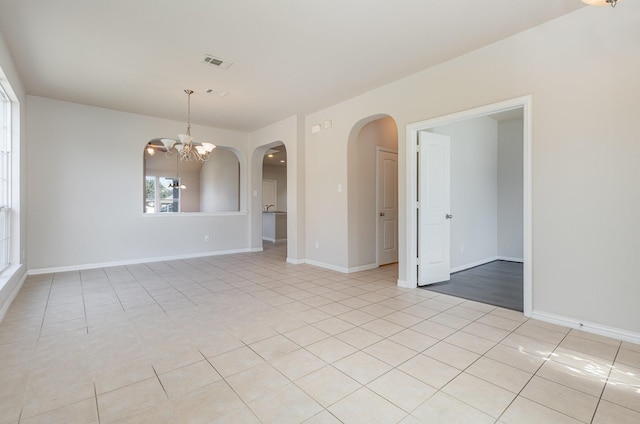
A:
[411,187]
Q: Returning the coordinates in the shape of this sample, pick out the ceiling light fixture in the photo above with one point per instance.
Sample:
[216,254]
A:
[185,148]
[601,2]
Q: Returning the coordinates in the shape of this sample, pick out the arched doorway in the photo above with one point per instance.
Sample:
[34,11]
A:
[372,193]
[274,199]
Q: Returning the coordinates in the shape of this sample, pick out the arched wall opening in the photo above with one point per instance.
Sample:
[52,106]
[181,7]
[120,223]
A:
[214,186]
[258,206]
[369,138]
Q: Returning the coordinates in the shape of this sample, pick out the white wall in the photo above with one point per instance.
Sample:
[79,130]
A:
[581,70]
[510,194]
[362,171]
[220,182]
[474,190]
[279,174]
[12,278]
[85,187]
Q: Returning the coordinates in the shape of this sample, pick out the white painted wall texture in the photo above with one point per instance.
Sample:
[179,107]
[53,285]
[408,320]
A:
[584,149]
[474,190]
[510,194]
[220,182]
[85,190]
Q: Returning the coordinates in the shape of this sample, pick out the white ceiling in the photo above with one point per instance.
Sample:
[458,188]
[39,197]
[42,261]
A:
[289,56]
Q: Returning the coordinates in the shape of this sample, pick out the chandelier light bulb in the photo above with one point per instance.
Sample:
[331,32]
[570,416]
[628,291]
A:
[611,3]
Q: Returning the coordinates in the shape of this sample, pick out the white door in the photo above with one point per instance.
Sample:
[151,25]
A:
[387,207]
[434,211]
[269,189]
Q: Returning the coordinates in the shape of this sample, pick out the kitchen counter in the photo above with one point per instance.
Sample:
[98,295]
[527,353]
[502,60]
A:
[274,226]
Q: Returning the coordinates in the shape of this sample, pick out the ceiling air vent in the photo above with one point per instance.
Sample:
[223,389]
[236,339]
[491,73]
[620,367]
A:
[216,61]
[216,92]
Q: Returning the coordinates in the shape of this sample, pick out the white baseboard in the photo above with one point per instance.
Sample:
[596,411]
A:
[38,271]
[326,266]
[256,249]
[295,261]
[403,284]
[472,264]
[362,268]
[509,259]
[589,327]
[273,240]
[485,261]
[4,307]
[340,268]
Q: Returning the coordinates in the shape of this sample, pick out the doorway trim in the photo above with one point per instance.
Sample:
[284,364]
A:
[411,217]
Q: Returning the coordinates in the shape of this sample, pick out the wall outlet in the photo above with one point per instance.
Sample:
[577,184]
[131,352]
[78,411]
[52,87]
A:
[317,244]
[206,238]
[339,188]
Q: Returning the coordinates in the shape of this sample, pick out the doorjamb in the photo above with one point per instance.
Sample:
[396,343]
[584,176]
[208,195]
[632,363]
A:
[413,129]
[378,150]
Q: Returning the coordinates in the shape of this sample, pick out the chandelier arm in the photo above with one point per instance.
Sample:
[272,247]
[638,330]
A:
[186,149]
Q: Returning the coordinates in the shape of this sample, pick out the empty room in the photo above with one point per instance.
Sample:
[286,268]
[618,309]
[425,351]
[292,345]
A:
[246,211]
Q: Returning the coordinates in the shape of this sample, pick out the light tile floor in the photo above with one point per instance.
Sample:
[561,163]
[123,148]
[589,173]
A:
[247,338]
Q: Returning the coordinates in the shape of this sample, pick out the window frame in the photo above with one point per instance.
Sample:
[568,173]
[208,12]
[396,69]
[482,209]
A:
[157,200]
[5,179]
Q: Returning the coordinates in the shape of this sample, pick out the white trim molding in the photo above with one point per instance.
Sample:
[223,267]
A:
[473,264]
[82,267]
[339,268]
[589,327]
[411,172]
[509,259]
[295,261]
[326,266]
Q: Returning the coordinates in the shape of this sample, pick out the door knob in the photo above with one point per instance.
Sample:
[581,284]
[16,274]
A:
[381,213]
[448,216]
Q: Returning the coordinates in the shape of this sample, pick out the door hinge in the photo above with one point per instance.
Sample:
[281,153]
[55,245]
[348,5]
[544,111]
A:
[418,148]
[417,205]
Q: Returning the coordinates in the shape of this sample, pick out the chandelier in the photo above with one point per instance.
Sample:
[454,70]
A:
[185,147]
[601,2]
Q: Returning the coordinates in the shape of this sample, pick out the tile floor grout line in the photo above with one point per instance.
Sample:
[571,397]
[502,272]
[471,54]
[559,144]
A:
[595,411]
[84,305]
[532,376]
[243,273]
[46,306]
[95,394]
[476,360]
